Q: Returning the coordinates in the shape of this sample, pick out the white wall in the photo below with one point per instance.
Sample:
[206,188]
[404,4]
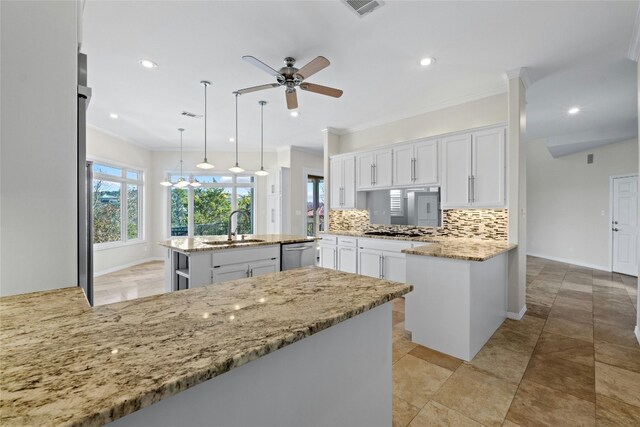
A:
[482,112]
[104,147]
[566,198]
[38,214]
[303,162]
[163,161]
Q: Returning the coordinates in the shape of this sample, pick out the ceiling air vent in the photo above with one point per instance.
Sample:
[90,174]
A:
[192,115]
[362,7]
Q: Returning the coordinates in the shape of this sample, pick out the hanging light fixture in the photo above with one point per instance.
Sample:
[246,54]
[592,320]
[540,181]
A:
[236,168]
[262,172]
[181,181]
[166,182]
[205,164]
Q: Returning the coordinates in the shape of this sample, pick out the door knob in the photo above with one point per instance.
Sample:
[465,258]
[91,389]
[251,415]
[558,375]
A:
[615,229]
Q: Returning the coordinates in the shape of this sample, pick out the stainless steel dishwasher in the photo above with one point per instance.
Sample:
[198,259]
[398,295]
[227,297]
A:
[296,255]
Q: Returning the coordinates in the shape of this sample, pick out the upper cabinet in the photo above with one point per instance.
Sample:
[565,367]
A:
[416,164]
[342,177]
[473,169]
[374,169]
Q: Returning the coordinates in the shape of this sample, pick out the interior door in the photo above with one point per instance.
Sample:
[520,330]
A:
[394,266]
[456,171]
[403,165]
[488,182]
[369,263]
[625,225]
[347,259]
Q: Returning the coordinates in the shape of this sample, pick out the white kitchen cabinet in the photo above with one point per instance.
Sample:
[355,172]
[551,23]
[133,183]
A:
[328,256]
[394,266]
[473,169]
[274,214]
[369,262]
[278,201]
[374,169]
[225,273]
[342,177]
[259,268]
[382,258]
[416,163]
[347,259]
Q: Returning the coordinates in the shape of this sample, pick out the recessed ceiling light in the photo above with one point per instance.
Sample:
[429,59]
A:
[147,63]
[294,114]
[574,110]
[232,140]
[427,61]
[113,115]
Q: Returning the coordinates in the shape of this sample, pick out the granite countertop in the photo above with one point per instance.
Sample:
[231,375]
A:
[445,247]
[65,363]
[197,244]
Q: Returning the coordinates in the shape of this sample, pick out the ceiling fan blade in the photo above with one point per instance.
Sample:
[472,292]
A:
[323,90]
[292,99]
[264,67]
[256,88]
[313,67]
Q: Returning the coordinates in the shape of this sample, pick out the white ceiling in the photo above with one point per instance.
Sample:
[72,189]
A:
[374,60]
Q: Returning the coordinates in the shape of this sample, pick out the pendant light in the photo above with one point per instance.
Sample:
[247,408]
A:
[262,172]
[166,182]
[181,181]
[205,164]
[236,168]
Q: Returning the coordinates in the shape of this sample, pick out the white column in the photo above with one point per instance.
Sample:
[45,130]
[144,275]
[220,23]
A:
[517,187]
[331,142]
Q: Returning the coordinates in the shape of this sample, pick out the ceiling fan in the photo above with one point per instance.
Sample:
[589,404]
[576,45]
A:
[291,77]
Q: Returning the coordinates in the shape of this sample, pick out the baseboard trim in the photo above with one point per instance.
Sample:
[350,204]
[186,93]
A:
[517,316]
[122,267]
[571,261]
[637,331]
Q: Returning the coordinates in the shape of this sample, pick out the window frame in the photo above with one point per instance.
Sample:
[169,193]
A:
[124,219]
[234,184]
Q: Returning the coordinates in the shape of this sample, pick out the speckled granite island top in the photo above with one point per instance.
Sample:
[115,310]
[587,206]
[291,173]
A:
[463,249]
[198,244]
[65,363]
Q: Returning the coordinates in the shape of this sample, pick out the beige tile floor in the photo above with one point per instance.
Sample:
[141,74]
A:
[572,360]
[135,282]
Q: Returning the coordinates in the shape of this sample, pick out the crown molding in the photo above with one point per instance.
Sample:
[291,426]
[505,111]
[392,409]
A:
[120,137]
[520,73]
[634,45]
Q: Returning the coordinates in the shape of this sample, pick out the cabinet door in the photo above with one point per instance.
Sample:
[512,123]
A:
[488,168]
[273,182]
[403,165]
[383,168]
[328,256]
[364,171]
[456,171]
[230,272]
[369,263]
[426,163]
[347,259]
[394,266]
[267,266]
[335,177]
[273,214]
[349,182]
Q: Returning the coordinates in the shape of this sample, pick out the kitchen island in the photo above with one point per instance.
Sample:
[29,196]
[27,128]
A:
[319,343]
[460,294]
[191,262]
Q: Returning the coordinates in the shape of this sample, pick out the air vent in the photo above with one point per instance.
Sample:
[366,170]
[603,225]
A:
[362,7]
[589,159]
[190,114]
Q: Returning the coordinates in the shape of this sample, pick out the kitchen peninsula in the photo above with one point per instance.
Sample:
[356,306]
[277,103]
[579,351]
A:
[191,262]
[319,343]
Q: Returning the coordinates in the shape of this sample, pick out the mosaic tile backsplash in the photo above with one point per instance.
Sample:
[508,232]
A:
[484,224]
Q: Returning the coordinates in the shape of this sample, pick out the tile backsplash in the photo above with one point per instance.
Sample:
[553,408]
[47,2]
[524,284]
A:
[485,224]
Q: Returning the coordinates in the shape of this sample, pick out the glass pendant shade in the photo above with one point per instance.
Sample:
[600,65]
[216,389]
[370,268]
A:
[262,172]
[181,183]
[194,183]
[166,182]
[205,163]
[236,169]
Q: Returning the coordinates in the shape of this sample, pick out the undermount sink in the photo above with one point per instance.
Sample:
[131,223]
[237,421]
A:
[233,242]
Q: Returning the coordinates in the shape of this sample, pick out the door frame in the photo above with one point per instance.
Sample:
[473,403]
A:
[305,176]
[611,178]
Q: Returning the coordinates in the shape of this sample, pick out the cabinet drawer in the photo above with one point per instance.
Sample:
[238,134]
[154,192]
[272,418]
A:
[241,255]
[384,244]
[328,239]
[347,241]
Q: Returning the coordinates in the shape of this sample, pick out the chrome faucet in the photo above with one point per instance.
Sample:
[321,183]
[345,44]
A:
[234,233]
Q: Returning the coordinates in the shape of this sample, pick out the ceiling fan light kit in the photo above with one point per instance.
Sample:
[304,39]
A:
[205,163]
[291,78]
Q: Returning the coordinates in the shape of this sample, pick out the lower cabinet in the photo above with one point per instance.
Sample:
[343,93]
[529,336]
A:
[224,273]
[328,256]
[382,264]
[339,253]
[347,259]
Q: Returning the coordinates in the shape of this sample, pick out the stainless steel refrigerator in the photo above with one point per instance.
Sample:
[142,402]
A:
[85,187]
